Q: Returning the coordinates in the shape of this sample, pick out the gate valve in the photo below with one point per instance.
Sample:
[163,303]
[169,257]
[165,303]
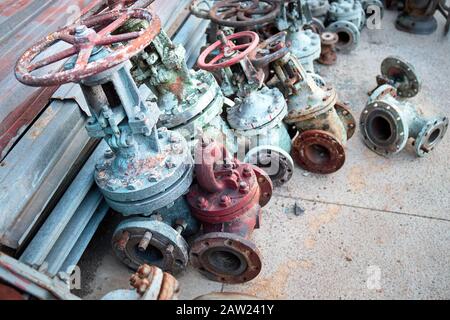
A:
[242,14]
[328,53]
[146,168]
[323,123]
[401,75]
[257,116]
[418,16]
[227,200]
[191,102]
[387,123]
[319,8]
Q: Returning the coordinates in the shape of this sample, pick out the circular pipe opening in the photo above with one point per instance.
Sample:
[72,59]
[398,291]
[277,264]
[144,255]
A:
[344,38]
[380,128]
[317,154]
[434,135]
[225,261]
[151,255]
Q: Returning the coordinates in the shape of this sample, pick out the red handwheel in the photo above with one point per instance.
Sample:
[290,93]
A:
[84,38]
[229,53]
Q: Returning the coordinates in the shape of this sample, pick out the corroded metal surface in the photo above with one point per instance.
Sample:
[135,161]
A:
[387,123]
[227,200]
[328,54]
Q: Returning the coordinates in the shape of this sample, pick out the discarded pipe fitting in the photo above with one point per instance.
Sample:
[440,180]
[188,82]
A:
[227,199]
[191,102]
[319,8]
[257,116]
[323,123]
[418,17]
[401,75]
[328,54]
[387,123]
[348,35]
[146,168]
[148,283]
[347,10]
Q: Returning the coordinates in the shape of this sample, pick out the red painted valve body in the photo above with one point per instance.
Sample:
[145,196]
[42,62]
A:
[227,200]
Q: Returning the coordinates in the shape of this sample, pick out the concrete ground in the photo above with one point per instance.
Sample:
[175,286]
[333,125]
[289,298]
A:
[377,229]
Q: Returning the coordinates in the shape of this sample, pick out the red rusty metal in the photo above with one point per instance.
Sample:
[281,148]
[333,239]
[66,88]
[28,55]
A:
[328,53]
[270,50]
[9,293]
[344,112]
[318,151]
[23,22]
[250,13]
[83,45]
[227,200]
[146,276]
[229,52]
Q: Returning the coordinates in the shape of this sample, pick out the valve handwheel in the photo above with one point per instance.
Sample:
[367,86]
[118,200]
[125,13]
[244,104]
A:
[84,39]
[270,50]
[248,13]
[229,52]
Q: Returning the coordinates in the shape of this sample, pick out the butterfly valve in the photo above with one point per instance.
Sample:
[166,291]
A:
[145,169]
[257,115]
[227,198]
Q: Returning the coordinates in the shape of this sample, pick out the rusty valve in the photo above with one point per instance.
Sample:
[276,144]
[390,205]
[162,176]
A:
[148,283]
[328,54]
[227,200]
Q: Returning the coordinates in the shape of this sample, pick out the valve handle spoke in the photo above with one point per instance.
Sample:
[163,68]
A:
[52,59]
[118,38]
[83,56]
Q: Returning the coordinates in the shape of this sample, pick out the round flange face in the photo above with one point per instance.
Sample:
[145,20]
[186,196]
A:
[244,13]
[265,186]
[348,35]
[402,75]
[140,241]
[226,258]
[431,134]
[347,118]
[383,128]
[329,38]
[276,162]
[318,151]
[84,40]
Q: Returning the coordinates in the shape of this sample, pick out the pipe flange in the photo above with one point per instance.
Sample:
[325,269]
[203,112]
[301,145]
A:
[318,151]
[383,127]
[347,118]
[140,241]
[381,92]
[431,134]
[348,35]
[402,75]
[265,186]
[276,162]
[226,258]
[416,24]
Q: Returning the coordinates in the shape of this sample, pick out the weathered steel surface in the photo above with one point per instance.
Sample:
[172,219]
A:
[24,22]
[328,54]
[387,123]
[227,200]
[30,186]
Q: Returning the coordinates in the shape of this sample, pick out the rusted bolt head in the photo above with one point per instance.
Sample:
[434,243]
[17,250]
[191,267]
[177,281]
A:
[109,154]
[247,172]
[144,271]
[225,201]
[181,223]
[202,203]
[243,187]
[153,178]
[170,164]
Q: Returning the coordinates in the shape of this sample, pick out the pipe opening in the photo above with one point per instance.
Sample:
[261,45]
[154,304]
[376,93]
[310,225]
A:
[151,255]
[225,261]
[434,135]
[317,154]
[344,38]
[380,128]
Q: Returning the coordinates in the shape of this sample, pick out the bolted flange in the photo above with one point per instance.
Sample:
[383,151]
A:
[276,162]
[387,123]
[348,35]
[137,241]
[318,151]
[226,257]
[328,53]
